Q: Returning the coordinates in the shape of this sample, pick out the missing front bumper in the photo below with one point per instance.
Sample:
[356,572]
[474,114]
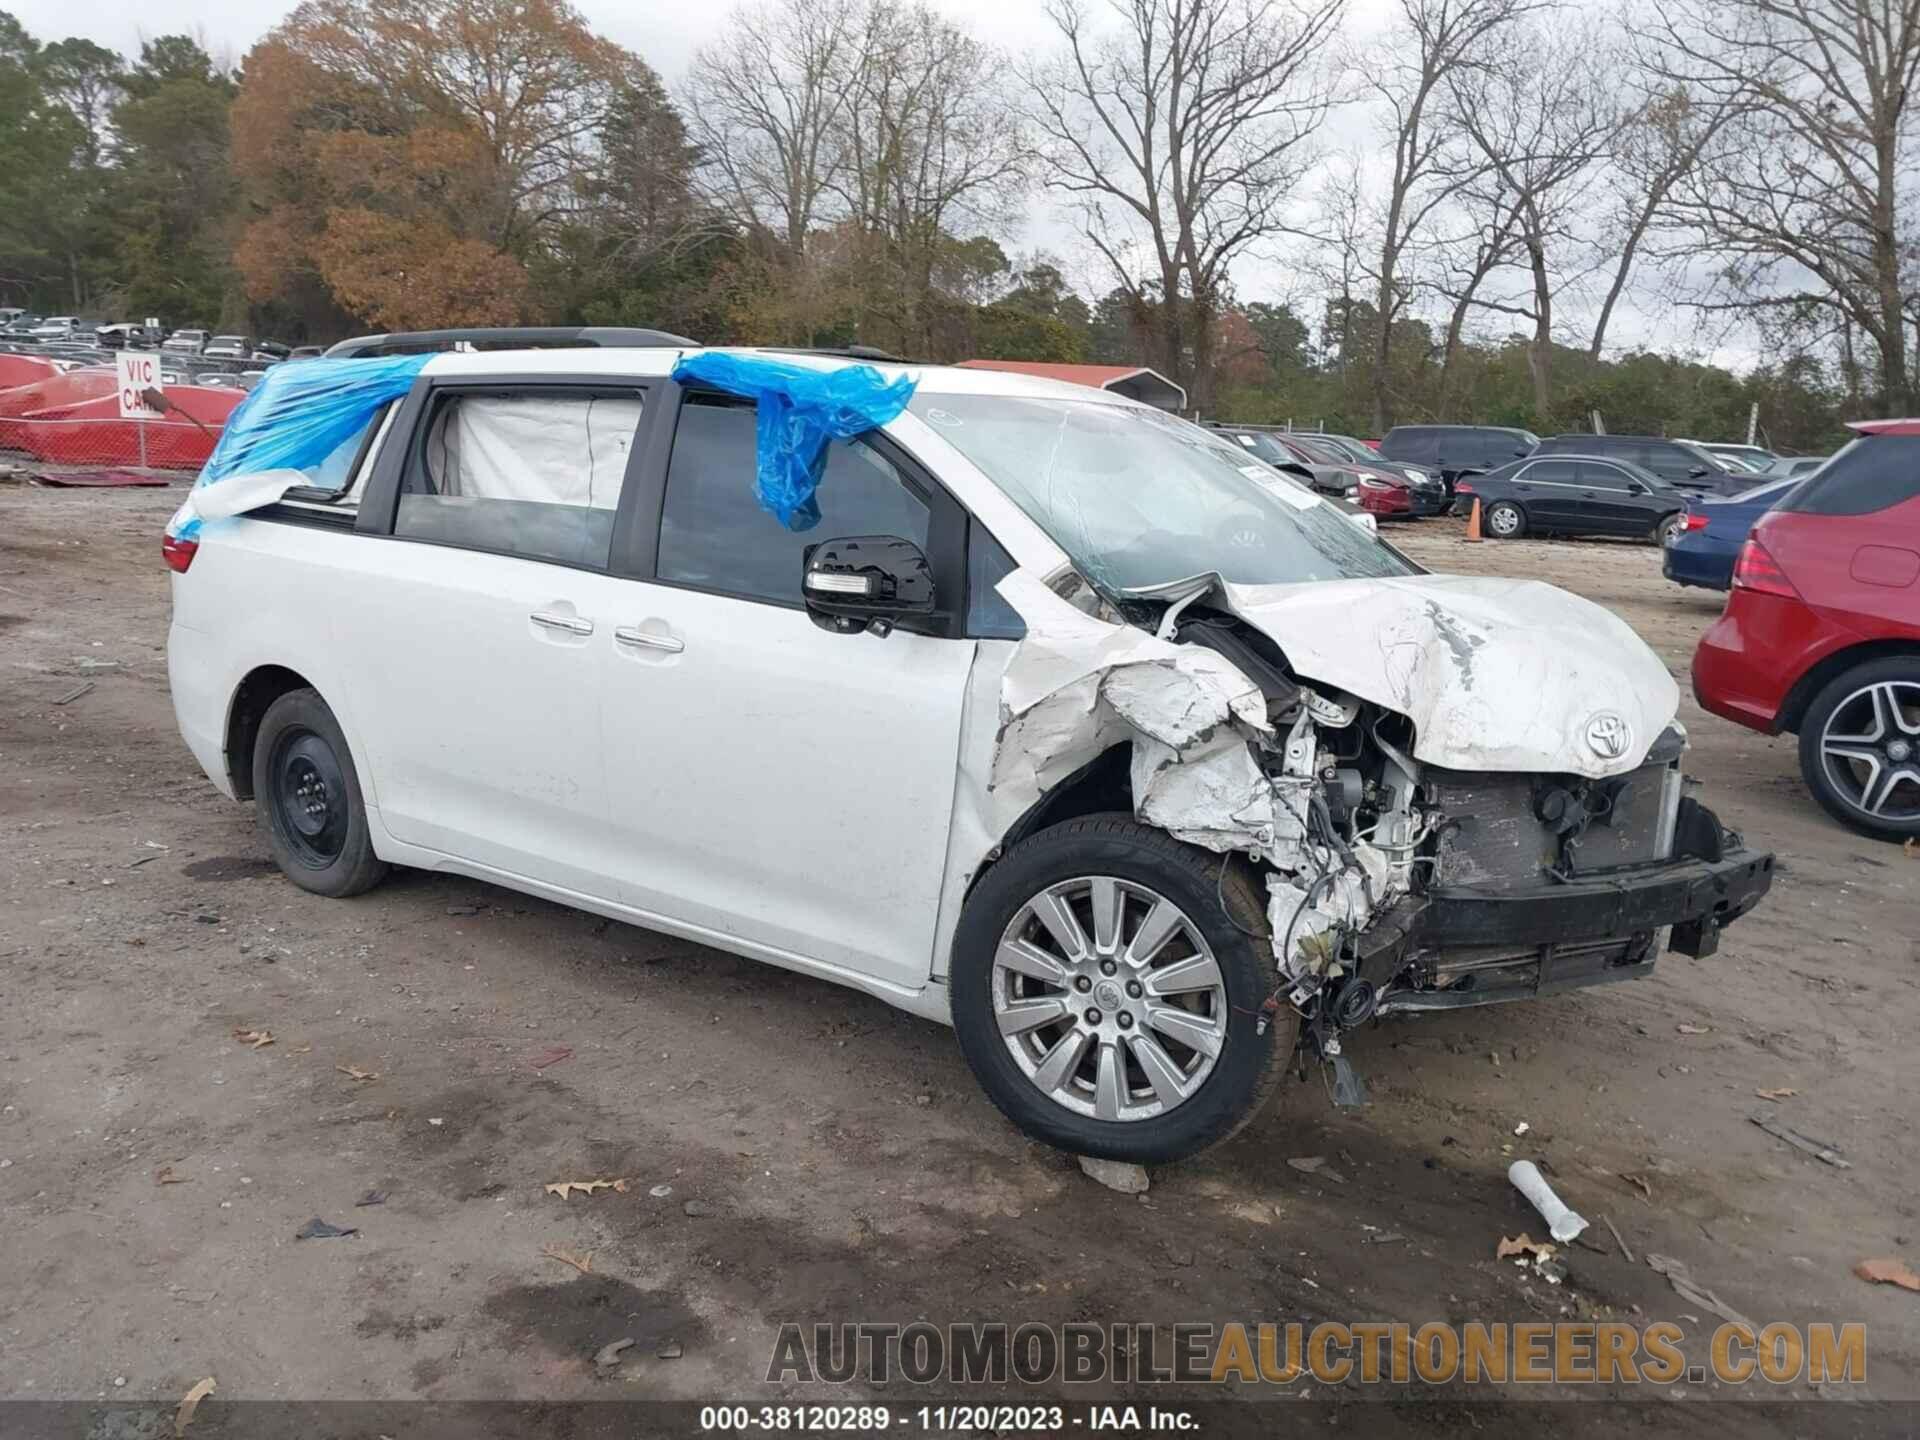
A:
[1478,947]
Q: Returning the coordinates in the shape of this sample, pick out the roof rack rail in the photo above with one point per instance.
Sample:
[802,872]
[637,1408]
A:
[536,337]
[841,352]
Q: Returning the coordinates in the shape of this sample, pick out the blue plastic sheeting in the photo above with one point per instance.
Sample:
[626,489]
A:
[800,410]
[303,415]
[304,410]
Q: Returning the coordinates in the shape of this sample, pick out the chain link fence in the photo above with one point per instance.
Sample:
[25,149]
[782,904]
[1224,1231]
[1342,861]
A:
[60,417]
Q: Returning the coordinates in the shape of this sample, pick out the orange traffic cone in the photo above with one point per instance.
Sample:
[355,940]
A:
[1473,520]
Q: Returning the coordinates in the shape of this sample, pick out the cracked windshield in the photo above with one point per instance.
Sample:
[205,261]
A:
[1138,498]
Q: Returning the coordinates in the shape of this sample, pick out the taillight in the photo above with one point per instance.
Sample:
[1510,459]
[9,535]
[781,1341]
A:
[1462,487]
[1758,571]
[1696,522]
[178,553]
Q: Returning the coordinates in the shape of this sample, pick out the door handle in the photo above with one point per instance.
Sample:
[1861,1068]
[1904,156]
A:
[572,624]
[632,635]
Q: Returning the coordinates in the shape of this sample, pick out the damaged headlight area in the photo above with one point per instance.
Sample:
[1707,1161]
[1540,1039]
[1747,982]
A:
[1391,884]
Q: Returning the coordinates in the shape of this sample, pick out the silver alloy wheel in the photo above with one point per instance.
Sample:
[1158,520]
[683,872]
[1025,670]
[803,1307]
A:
[1109,998]
[1504,521]
[1671,529]
[1870,749]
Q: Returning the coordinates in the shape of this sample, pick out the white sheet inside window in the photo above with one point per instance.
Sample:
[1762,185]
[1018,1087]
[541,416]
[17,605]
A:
[549,449]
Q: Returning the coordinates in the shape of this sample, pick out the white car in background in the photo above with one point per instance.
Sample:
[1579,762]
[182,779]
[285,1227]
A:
[1052,726]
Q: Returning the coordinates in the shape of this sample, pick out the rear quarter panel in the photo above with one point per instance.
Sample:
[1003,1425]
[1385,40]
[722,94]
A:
[259,592]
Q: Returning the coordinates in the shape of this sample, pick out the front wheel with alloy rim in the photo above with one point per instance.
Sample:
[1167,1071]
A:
[1506,521]
[1670,528]
[1109,1001]
[1860,748]
[308,797]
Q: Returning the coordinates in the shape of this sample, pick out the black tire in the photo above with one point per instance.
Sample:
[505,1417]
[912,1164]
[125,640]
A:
[307,795]
[1511,514]
[1667,526]
[1248,1062]
[1902,822]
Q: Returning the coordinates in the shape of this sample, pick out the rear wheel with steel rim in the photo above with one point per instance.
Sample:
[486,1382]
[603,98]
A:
[1107,999]
[1860,748]
[1506,521]
[308,797]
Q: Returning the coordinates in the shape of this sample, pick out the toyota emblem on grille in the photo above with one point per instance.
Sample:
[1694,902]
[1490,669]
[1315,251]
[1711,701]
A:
[1608,736]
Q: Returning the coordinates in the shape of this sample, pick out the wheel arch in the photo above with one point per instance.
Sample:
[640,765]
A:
[257,691]
[1103,785]
[1793,710]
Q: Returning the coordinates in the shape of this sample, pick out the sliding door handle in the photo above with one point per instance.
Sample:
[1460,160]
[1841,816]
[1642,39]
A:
[632,635]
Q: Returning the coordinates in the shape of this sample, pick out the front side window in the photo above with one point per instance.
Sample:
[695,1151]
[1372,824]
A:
[1138,498]
[532,472]
[1602,477]
[714,534]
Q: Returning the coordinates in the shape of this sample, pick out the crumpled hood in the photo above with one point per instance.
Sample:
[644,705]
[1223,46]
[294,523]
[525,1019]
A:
[1495,674]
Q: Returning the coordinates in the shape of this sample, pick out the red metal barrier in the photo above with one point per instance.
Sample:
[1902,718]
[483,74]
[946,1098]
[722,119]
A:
[76,421]
[25,369]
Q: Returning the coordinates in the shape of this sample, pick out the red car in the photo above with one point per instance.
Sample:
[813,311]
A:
[1821,634]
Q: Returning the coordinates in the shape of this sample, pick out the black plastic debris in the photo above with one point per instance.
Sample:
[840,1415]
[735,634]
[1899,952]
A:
[372,1197]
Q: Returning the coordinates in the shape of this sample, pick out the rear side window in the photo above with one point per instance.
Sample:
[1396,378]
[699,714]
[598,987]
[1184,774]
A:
[534,472]
[1551,472]
[1870,474]
[714,535]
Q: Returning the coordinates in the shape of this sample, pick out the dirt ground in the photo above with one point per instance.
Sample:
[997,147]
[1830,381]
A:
[829,1158]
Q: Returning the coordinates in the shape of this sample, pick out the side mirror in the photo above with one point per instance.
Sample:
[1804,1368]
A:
[866,582]
[1638,487]
[1699,470]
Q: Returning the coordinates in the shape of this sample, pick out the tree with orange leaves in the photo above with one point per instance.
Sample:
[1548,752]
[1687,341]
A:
[407,157]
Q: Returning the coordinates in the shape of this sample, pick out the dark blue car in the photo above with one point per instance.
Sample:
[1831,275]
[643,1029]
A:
[1704,551]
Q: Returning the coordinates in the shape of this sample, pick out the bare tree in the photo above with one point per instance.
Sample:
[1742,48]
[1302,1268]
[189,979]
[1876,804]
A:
[1658,147]
[1489,239]
[768,103]
[1431,41]
[932,142]
[1801,202]
[1182,129]
[1541,121]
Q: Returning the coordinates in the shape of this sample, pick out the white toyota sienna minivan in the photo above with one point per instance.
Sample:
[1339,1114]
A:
[1052,717]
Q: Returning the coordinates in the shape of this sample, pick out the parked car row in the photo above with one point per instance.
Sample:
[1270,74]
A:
[1337,466]
[56,330]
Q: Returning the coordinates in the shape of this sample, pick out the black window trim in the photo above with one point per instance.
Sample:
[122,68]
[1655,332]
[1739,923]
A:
[380,501]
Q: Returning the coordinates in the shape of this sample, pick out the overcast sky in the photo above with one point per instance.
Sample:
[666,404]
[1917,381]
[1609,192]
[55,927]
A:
[666,32]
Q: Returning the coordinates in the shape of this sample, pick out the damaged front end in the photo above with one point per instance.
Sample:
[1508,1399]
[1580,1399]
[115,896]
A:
[1455,792]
